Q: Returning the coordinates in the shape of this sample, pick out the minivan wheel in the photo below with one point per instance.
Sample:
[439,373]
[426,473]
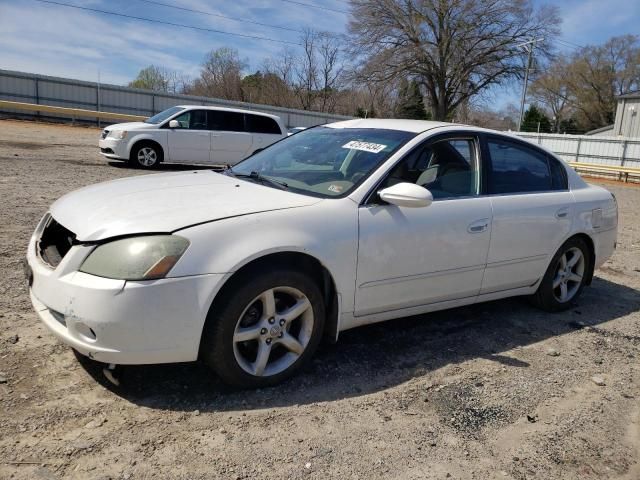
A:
[565,277]
[265,329]
[145,155]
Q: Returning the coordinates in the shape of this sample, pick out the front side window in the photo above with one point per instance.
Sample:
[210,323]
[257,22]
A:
[516,168]
[448,168]
[324,161]
[162,116]
[193,120]
[224,121]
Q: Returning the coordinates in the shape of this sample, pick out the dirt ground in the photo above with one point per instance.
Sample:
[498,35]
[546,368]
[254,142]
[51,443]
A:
[492,391]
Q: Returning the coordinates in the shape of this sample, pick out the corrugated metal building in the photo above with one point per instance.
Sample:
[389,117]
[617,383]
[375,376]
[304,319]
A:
[627,115]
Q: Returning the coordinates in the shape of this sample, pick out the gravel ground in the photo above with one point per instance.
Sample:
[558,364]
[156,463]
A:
[497,390]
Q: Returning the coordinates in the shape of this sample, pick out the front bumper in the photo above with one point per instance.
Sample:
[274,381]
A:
[113,148]
[115,321]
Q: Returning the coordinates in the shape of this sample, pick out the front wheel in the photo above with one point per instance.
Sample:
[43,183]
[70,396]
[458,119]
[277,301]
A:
[145,155]
[266,329]
[565,277]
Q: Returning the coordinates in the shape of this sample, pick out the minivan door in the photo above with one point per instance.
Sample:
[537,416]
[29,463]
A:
[191,142]
[229,141]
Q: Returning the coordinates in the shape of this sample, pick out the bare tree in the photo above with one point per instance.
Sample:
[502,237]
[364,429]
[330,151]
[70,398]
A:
[221,75]
[160,79]
[330,71]
[306,71]
[453,48]
[552,90]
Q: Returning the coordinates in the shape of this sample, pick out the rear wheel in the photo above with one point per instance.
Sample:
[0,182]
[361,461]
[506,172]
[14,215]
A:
[266,329]
[565,278]
[145,155]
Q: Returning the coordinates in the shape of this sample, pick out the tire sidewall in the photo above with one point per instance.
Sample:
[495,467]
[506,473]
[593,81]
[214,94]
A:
[217,341]
[545,291]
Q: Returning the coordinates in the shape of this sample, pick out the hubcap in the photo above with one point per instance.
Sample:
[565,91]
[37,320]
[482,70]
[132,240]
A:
[273,331]
[569,273]
[147,156]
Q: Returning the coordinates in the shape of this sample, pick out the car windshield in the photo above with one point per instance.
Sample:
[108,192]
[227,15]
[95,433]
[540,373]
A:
[162,116]
[324,161]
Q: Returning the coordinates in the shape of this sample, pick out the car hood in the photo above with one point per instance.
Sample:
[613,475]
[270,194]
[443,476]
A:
[131,126]
[165,203]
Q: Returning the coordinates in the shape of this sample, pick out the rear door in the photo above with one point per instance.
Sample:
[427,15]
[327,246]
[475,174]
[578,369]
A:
[230,143]
[191,142]
[532,212]
[265,130]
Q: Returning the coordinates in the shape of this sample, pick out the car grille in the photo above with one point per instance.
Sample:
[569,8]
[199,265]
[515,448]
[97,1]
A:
[104,134]
[54,243]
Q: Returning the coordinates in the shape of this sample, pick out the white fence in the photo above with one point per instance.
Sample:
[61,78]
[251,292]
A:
[614,151]
[65,92]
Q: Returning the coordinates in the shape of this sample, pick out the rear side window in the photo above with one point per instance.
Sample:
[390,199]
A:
[516,168]
[558,175]
[260,124]
[221,120]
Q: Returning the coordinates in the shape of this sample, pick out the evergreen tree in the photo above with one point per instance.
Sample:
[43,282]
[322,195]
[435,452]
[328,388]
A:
[411,104]
[534,116]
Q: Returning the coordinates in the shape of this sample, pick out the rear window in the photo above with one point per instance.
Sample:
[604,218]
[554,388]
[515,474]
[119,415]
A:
[260,124]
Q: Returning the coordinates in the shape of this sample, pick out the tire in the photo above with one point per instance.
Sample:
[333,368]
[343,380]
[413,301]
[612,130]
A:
[242,329]
[146,155]
[565,277]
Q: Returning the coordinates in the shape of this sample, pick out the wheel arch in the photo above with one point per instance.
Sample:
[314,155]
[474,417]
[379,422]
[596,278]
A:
[295,260]
[147,140]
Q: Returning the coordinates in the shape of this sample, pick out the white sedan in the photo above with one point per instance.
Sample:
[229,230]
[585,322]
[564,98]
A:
[337,226]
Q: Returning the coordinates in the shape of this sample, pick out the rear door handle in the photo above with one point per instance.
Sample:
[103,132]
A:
[478,226]
[562,213]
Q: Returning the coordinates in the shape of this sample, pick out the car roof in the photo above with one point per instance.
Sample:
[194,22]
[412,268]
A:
[226,109]
[415,126]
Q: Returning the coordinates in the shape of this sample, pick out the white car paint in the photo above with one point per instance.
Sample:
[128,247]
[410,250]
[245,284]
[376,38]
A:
[385,261]
[191,146]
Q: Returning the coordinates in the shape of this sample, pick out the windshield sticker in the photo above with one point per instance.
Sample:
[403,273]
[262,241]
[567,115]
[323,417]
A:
[334,188]
[365,146]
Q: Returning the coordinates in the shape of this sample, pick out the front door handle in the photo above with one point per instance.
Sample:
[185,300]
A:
[479,226]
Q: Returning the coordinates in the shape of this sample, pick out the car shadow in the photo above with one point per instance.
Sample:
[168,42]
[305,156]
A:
[375,357]
[169,167]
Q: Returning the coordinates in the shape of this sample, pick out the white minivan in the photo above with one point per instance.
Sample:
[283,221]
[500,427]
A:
[192,134]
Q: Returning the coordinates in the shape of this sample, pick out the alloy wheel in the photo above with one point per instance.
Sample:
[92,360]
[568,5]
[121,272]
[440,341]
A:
[147,156]
[273,331]
[569,273]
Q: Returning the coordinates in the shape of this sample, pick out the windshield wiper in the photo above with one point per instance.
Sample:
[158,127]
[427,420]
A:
[260,178]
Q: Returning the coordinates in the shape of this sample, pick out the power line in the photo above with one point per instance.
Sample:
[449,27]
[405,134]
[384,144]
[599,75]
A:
[219,15]
[144,19]
[316,6]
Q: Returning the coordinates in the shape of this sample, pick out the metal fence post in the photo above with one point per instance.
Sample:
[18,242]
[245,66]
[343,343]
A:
[578,150]
[153,104]
[622,157]
[37,92]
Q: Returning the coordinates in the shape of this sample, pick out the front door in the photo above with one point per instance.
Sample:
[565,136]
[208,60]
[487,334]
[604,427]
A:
[416,256]
[191,142]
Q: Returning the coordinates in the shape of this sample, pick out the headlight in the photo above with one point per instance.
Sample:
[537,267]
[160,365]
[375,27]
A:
[136,258]
[119,134]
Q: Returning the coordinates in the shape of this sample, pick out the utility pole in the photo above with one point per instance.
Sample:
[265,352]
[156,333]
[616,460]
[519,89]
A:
[528,46]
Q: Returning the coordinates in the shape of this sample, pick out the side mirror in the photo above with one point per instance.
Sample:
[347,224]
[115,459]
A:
[406,195]
[174,124]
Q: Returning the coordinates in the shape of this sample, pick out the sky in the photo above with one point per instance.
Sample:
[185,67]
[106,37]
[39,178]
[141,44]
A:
[52,39]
